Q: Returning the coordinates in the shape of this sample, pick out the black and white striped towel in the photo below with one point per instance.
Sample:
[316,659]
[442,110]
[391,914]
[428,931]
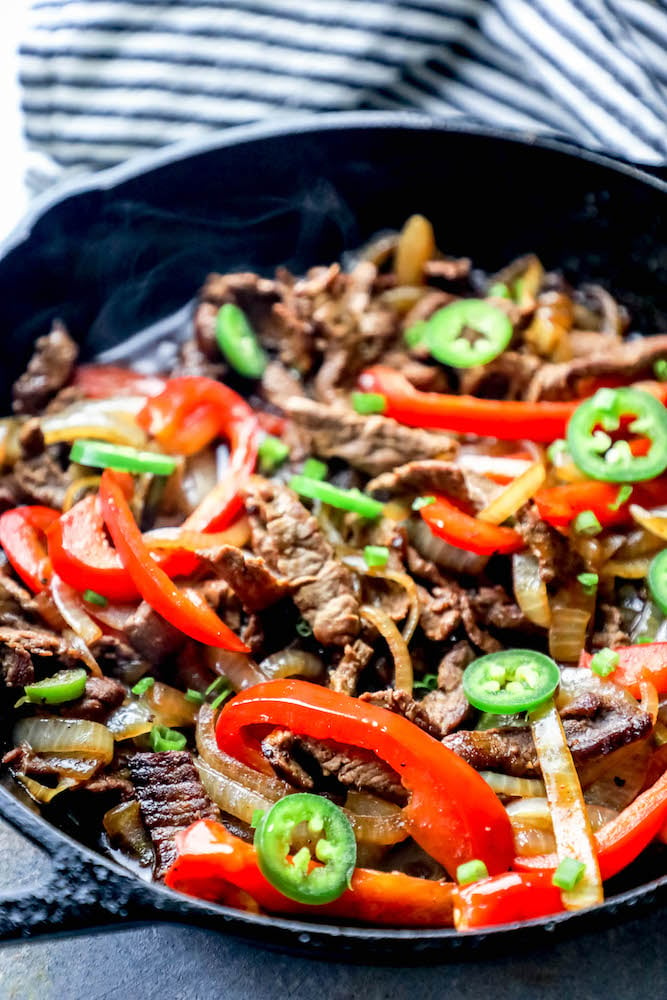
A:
[104,79]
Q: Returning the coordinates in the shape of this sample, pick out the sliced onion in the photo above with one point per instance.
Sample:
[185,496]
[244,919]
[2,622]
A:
[403,677]
[639,542]
[616,780]
[125,829]
[654,521]
[115,616]
[567,635]
[571,825]
[404,580]
[239,669]
[76,490]
[65,736]
[199,477]
[270,787]
[104,420]
[649,699]
[530,590]
[170,706]
[132,719]
[292,663]
[231,796]
[533,811]
[493,465]
[506,784]
[42,793]
[443,554]
[73,766]
[76,642]
[70,605]
[530,842]
[514,496]
[626,569]
[175,538]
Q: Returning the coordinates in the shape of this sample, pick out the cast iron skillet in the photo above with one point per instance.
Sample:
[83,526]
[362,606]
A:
[115,254]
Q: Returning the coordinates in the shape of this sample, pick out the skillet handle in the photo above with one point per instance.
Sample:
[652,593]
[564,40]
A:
[78,894]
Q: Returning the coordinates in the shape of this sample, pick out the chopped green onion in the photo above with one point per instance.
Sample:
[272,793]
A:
[66,685]
[194,696]
[142,686]
[568,874]
[623,495]
[102,455]
[471,871]
[369,402]
[238,342]
[428,682]
[304,629]
[376,556]
[557,450]
[604,662]
[216,685]
[586,523]
[271,452]
[643,640]
[162,738]
[352,500]
[314,469]
[499,290]
[589,581]
[420,502]
[221,697]
[92,597]
[414,335]
[660,370]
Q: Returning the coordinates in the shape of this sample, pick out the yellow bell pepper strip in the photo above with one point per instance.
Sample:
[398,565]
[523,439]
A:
[452,812]
[196,620]
[209,858]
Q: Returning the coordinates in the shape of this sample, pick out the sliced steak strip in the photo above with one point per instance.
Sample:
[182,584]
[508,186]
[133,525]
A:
[151,635]
[41,480]
[373,444]
[255,585]
[598,718]
[48,370]
[631,359]
[557,559]
[171,797]
[288,538]
[422,477]
[101,696]
[330,766]
[345,676]
[18,649]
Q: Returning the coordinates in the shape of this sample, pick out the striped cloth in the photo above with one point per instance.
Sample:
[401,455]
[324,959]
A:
[104,79]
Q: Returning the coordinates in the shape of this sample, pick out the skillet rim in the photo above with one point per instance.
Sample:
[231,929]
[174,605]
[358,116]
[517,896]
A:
[297,935]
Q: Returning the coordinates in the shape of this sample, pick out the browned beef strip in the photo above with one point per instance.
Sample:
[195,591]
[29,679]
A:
[289,539]
[493,607]
[598,718]
[101,696]
[449,268]
[19,647]
[632,359]
[556,557]
[429,303]
[506,377]
[48,370]
[194,362]
[307,763]
[118,658]
[18,608]
[171,797]
[253,294]
[41,480]
[345,676]
[373,444]
[255,585]
[426,377]
[429,475]
[31,438]
[279,385]
[609,628]
[153,637]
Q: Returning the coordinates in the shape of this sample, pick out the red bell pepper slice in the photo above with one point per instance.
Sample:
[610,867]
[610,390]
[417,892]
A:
[102,381]
[189,414]
[208,856]
[22,536]
[559,505]
[452,813]
[646,662]
[508,898]
[449,522]
[508,421]
[622,840]
[196,620]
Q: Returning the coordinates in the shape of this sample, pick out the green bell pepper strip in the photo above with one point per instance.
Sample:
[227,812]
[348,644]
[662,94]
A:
[100,455]
[592,448]
[509,681]
[466,333]
[353,500]
[238,342]
[66,685]
[336,849]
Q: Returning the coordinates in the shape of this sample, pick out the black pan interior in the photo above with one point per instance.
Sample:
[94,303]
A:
[134,245]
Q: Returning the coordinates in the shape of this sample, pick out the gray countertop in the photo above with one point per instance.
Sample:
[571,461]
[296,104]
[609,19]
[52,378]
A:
[171,961]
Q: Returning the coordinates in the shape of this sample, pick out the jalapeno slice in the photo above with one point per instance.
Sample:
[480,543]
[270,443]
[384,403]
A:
[466,333]
[335,848]
[657,580]
[594,451]
[66,685]
[512,680]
